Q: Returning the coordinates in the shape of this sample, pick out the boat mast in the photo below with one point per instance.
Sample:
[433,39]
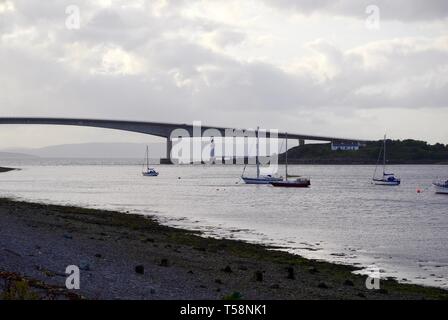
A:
[286,157]
[147,157]
[258,150]
[384,155]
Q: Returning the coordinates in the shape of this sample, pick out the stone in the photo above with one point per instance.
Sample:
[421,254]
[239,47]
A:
[84,265]
[164,263]
[140,269]
[258,276]
[312,270]
[227,269]
[290,273]
[348,283]
[322,285]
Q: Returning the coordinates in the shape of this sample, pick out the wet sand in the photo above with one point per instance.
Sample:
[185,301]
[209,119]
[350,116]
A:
[125,256]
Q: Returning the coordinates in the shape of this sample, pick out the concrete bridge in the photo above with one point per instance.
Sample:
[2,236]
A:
[161,129]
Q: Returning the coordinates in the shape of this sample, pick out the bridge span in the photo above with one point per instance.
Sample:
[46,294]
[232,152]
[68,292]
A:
[160,129]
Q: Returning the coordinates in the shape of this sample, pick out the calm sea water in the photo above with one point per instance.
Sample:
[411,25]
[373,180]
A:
[341,218]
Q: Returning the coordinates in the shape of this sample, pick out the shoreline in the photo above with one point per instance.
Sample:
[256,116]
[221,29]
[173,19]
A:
[305,162]
[128,256]
[360,163]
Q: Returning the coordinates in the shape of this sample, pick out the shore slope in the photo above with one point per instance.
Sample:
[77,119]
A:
[37,243]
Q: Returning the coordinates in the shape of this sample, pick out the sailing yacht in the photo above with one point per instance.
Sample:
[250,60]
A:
[259,179]
[441,186]
[388,179]
[150,172]
[299,182]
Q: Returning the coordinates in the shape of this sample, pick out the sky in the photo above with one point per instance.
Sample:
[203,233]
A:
[340,68]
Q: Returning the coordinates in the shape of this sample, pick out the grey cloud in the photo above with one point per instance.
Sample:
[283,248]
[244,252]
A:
[185,81]
[403,10]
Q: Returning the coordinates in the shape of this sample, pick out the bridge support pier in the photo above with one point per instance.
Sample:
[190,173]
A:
[169,147]
[301,142]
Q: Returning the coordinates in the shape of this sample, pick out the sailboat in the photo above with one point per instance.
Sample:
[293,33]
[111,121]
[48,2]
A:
[300,182]
[441,186]
[388,179]
[259,179]
[150,172]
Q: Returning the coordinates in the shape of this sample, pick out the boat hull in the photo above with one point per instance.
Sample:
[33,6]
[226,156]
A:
[386,183]
[260,180]
[292,184]
[146,174]
[441,189]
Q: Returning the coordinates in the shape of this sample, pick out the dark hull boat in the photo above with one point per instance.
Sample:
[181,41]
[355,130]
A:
[299,183]
[260,180]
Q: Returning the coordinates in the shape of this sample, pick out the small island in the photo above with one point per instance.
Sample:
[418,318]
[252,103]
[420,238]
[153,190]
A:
[398,152]
[4,169]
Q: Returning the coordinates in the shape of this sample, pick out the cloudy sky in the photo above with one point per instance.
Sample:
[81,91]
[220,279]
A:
[324,67]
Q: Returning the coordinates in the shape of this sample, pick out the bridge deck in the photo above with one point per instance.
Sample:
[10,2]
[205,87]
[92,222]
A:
[160,129]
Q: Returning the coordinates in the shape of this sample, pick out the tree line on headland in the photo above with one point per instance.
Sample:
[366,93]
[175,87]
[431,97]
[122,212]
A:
[398,152]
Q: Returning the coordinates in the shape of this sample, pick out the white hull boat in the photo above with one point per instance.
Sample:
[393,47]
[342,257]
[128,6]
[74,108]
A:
[441,187]
[149,172]
[299,182]
[386,182]
[388,179]
[259,179]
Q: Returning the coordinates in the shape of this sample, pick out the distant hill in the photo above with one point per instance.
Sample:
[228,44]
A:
[15,155]
[96,150]
[398,152]
[405,152]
